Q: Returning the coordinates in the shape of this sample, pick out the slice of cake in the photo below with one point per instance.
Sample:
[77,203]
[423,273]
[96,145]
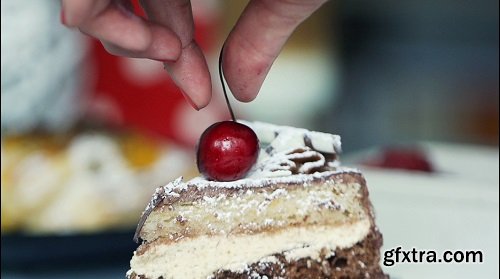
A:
[297,214]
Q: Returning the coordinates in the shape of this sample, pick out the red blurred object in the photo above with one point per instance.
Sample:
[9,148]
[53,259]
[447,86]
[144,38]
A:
[138,93]
[412,159]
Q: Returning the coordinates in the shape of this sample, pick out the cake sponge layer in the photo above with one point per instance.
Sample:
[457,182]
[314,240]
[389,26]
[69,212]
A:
[334,199]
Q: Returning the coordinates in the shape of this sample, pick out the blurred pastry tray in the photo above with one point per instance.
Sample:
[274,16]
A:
[20,251]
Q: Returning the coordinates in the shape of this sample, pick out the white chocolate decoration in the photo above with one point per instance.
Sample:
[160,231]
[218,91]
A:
[286,137]
[288,150]
[325,142]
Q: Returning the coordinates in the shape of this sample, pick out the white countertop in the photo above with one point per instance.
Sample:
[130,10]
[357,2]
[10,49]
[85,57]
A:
[456,208]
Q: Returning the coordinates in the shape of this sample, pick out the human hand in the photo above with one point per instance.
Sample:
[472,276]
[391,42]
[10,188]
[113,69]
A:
[168,36]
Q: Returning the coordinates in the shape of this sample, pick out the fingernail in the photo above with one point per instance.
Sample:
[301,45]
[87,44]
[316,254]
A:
[62,17]
[127,9]
[163,60]
[189,100]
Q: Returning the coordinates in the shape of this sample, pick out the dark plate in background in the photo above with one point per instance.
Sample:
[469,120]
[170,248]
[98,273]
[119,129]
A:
[20,251]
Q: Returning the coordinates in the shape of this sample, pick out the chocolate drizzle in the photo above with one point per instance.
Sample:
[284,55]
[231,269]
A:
[300,160]
[307,141]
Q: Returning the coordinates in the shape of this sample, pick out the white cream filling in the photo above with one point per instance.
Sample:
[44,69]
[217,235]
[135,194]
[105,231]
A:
[199,257]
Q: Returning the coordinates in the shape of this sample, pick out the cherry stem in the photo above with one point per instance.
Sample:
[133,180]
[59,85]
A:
[221,75]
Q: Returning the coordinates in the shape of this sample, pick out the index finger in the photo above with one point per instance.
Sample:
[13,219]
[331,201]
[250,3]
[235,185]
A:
[190,70]
[257,39]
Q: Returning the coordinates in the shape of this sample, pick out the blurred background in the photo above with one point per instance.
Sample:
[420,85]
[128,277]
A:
[87,137]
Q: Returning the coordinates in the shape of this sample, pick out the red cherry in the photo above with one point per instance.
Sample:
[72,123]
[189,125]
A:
[226,151]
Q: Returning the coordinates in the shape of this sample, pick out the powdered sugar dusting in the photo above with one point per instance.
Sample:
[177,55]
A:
[201,183]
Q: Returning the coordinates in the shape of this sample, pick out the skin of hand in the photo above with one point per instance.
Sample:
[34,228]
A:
[167,35]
